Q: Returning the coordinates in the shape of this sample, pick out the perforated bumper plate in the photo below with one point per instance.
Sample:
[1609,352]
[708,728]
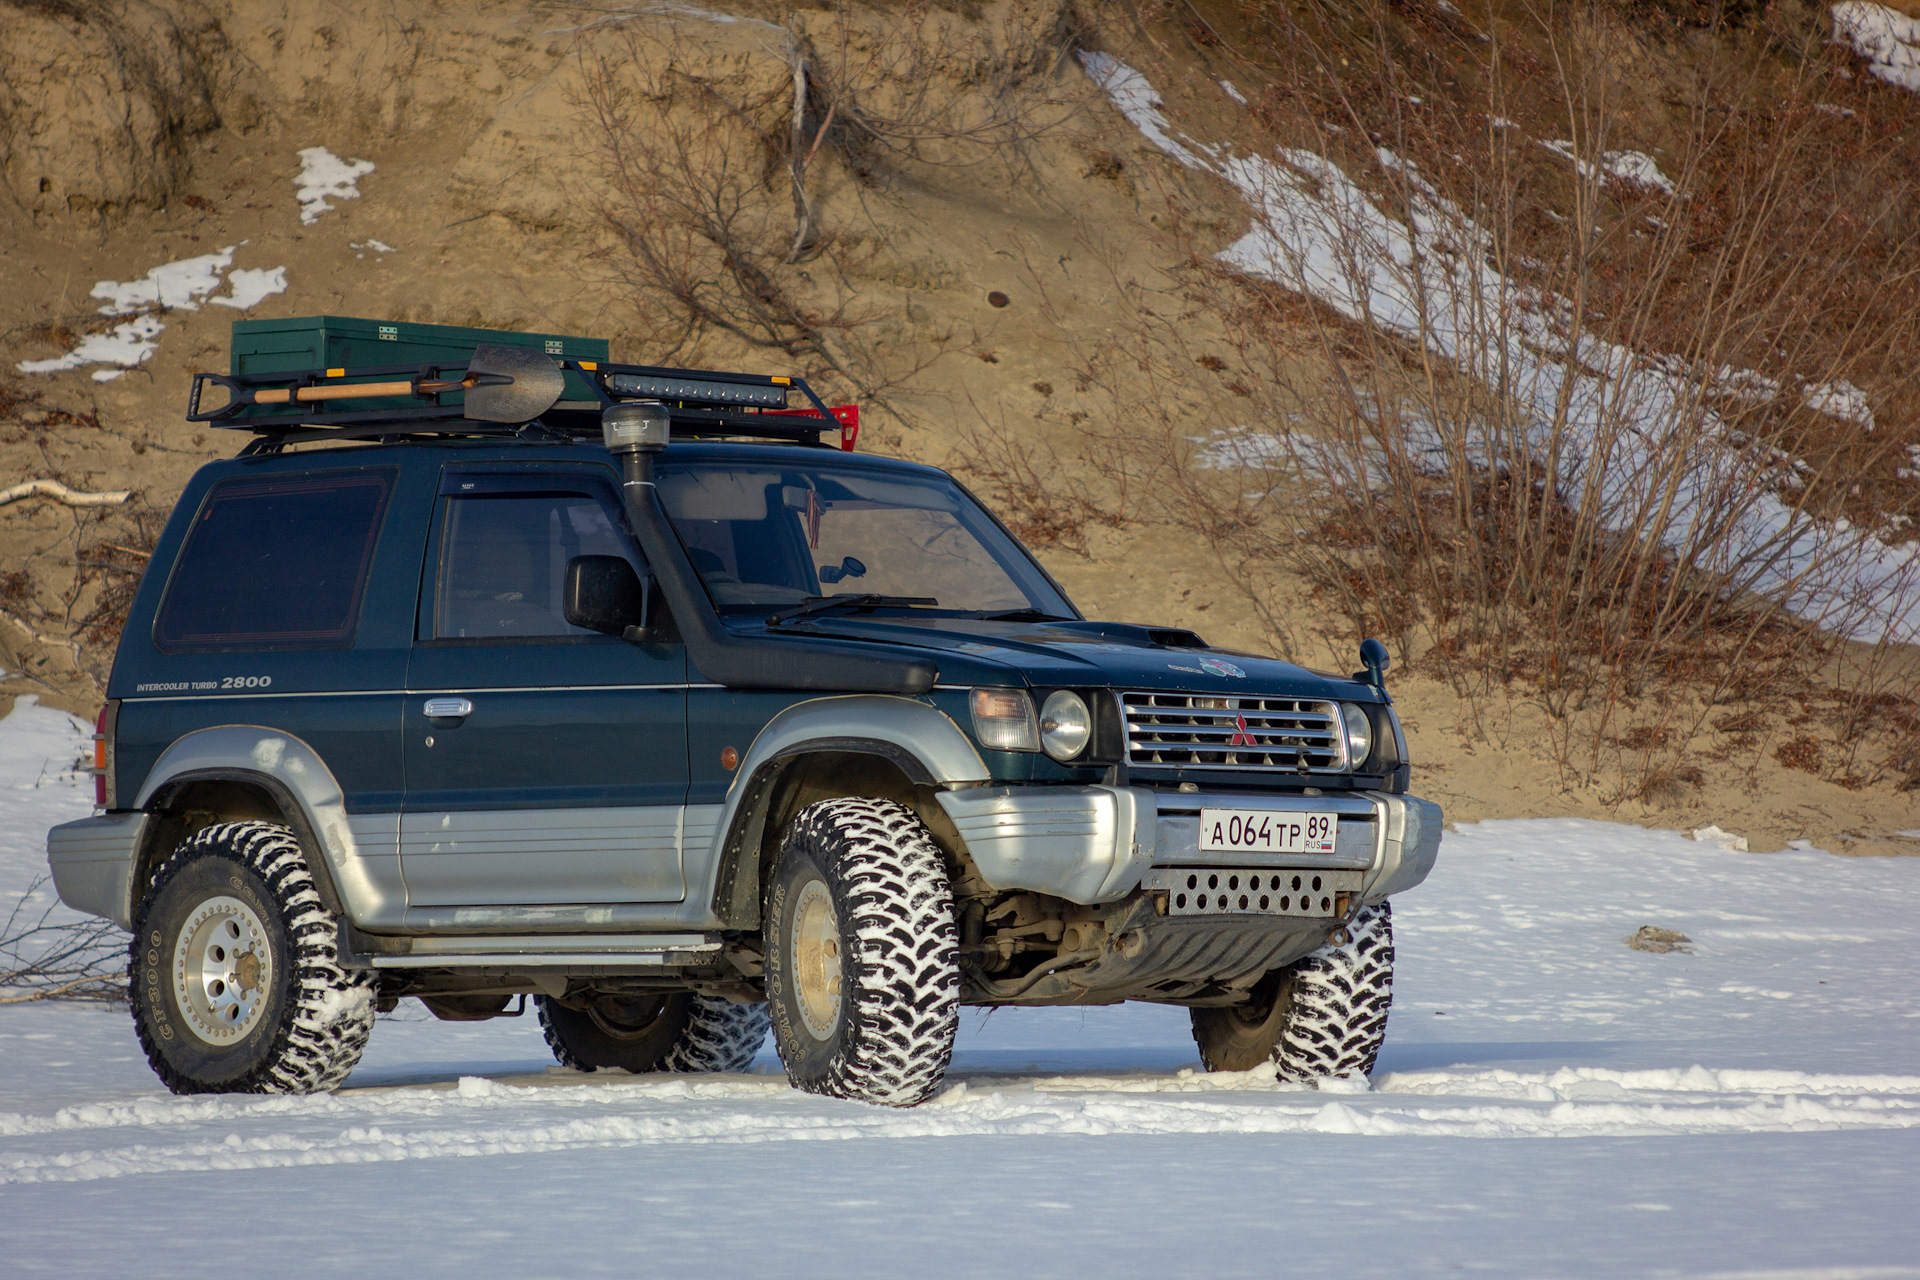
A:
[1259,891]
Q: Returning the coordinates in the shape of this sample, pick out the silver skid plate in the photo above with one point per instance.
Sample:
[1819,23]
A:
[1312,892]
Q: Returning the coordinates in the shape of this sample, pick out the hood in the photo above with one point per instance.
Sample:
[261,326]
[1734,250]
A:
[1086,654]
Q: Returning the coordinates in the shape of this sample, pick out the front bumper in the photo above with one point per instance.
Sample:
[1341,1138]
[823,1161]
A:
[1094,844]
[92,863]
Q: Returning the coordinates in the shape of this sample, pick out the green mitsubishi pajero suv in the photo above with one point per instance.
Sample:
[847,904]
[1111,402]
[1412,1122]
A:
[491,669]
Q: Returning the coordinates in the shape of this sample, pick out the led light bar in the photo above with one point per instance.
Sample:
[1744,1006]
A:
[685,389]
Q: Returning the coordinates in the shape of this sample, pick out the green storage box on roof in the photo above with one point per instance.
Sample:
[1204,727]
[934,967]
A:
[346,342]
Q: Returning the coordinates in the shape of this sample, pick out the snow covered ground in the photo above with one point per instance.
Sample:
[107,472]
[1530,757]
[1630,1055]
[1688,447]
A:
[1550,1103]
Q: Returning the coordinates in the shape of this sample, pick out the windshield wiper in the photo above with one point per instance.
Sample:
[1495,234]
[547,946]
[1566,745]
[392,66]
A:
[833,604]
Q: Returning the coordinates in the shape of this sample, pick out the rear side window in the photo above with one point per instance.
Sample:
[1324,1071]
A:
[275,564]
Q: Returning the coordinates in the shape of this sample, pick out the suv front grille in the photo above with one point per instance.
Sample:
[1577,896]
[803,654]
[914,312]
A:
[1213,731]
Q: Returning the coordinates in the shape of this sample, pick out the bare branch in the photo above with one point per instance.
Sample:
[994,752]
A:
[43,958]
[60,493]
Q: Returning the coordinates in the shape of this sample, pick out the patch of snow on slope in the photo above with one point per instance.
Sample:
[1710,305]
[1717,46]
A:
[249,287]
[1245,449]
[175,286]
[325,177]
[1140,103]
[180,285]
[1234,93]
[1887,39]
[125,345]
[1635,167]
[1841,400]
[1430,279]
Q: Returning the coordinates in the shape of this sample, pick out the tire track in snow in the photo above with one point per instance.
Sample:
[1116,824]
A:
[481,1118]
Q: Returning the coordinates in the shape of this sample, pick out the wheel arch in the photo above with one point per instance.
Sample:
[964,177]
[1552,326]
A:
[241,772]
[887,747]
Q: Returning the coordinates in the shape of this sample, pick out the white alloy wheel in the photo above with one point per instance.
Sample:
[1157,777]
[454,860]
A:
[236,980]
[222,970]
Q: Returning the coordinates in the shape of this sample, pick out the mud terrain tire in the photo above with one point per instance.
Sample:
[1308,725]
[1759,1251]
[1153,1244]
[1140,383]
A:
[1324,1015]
[863,976]
[234,970]
[644,1033]
[720,1036]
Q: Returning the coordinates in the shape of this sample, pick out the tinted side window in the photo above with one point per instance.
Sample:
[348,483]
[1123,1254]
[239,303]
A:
[275,564]
[503,562]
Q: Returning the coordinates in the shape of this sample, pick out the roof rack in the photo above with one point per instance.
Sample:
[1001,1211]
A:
[411,402]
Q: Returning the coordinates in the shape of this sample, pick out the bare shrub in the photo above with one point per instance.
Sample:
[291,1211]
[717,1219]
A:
[1559,419]
[706,170]
[46,958]
[1041,500]
[685,163]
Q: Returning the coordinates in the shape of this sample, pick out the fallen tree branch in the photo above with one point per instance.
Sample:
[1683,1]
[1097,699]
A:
[79,988]
[60,493]
[56,957]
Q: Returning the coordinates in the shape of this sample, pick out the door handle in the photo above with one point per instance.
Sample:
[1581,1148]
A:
[448,708]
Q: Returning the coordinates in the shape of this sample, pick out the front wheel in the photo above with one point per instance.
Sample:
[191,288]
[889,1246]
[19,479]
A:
[237,984]
[863,975]
[1324,1015]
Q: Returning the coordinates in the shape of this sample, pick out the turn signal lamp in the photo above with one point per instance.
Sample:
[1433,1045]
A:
[1003,720]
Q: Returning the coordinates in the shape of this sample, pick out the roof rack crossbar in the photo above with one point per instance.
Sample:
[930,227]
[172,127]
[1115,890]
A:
[699,402]
[298,421]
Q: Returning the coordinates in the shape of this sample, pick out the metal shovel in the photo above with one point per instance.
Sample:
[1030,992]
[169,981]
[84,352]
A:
[533,382]
[502,384]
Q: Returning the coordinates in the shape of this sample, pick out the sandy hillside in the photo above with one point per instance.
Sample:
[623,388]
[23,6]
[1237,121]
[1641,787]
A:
[979,219]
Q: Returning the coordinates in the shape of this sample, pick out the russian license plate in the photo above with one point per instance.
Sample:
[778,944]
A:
[1265,831]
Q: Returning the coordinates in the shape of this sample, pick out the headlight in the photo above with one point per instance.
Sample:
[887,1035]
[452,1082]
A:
[1003,720]
[1065,725]
[1359,733]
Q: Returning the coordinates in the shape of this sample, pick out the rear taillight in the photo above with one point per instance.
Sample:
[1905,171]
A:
[103,755]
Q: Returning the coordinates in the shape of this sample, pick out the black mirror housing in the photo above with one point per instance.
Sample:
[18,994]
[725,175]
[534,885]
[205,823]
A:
[1373,657]
[604,594]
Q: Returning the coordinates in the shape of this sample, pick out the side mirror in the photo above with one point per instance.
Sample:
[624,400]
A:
[604,594]
[1373,656]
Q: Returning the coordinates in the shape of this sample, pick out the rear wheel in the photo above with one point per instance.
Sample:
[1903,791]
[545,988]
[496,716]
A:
[863,976]
[665,1031]
[1324,1015]
[237,985]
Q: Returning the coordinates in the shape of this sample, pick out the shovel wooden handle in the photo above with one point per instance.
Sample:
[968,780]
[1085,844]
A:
[354,390]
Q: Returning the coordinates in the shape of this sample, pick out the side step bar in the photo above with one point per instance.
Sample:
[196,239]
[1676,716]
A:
[548,950]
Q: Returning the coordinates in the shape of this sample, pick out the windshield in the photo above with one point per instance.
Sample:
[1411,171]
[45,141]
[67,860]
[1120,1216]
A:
[771,538]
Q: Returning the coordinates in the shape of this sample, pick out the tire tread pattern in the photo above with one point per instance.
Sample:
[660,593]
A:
[903,972]
[1341,996]
[720,1036]
[329,1014]
[563,1052]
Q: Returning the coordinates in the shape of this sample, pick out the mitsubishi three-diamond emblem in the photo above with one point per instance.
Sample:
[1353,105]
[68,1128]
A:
[1241,738]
